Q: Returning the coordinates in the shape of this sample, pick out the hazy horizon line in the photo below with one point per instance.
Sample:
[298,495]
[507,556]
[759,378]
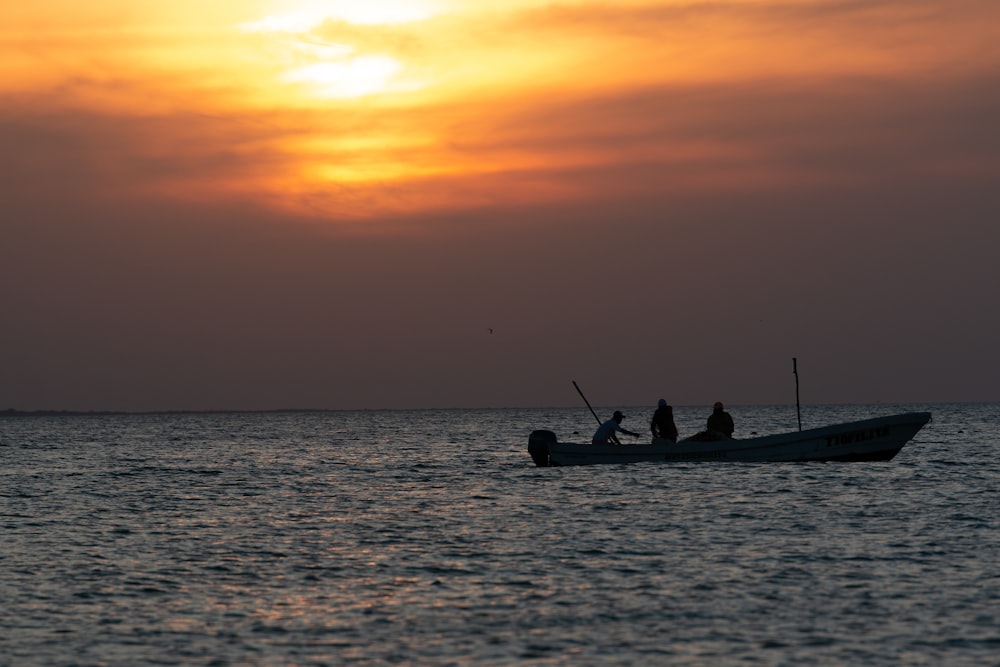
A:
[49,412]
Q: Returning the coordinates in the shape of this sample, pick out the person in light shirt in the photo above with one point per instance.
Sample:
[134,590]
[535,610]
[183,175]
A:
[608,429]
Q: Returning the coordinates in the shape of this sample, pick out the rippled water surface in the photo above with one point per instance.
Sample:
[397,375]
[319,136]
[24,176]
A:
[429,537]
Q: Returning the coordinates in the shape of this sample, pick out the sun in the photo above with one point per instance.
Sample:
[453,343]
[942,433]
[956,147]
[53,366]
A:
[354,77]
[324,69]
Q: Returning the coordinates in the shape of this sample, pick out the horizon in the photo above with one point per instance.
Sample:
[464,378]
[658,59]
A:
[707,407]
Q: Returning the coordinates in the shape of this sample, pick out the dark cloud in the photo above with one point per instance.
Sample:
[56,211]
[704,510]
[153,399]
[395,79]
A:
[879,291]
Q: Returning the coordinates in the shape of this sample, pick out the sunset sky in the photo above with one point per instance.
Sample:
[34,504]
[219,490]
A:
[262,204]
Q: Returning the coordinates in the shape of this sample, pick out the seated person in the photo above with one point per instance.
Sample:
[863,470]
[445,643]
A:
[720,421]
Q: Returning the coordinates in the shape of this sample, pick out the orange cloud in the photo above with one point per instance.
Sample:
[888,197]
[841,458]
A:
[310,108]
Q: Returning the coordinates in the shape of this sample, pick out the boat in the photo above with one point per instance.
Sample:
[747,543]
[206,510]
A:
[878,439]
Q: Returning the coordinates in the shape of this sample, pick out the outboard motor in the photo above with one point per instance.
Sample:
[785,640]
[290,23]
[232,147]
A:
[538,447]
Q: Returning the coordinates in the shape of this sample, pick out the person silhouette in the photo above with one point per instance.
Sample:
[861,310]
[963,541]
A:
[720,421]
[608,429]
[662,424]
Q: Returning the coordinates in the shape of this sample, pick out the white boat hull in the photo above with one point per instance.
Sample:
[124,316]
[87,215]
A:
[878,439]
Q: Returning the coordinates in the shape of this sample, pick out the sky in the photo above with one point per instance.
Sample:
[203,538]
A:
[272,204]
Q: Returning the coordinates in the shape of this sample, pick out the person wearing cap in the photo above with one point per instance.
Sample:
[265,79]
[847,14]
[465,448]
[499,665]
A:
[720,421]
[607,430]
[662,424]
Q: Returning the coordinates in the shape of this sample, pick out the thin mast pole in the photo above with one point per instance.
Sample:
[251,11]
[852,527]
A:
[795,370]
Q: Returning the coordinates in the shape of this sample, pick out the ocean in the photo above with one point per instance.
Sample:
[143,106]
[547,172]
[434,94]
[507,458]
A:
[430,538]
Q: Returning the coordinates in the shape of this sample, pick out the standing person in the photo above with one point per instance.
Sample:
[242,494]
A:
[608,429]
[662,424]
[720,421]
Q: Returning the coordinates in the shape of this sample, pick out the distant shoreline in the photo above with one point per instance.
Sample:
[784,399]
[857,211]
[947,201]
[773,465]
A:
[12,413]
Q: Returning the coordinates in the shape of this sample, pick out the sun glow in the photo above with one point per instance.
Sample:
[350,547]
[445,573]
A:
[309,15]
[325,66]
[362,106]
[350,78]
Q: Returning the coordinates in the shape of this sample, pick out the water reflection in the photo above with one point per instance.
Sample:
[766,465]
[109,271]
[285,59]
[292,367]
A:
[259,539]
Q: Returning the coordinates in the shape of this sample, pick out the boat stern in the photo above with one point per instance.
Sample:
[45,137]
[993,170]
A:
[538,447]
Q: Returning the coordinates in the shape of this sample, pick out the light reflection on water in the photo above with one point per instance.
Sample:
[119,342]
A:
[429,537]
